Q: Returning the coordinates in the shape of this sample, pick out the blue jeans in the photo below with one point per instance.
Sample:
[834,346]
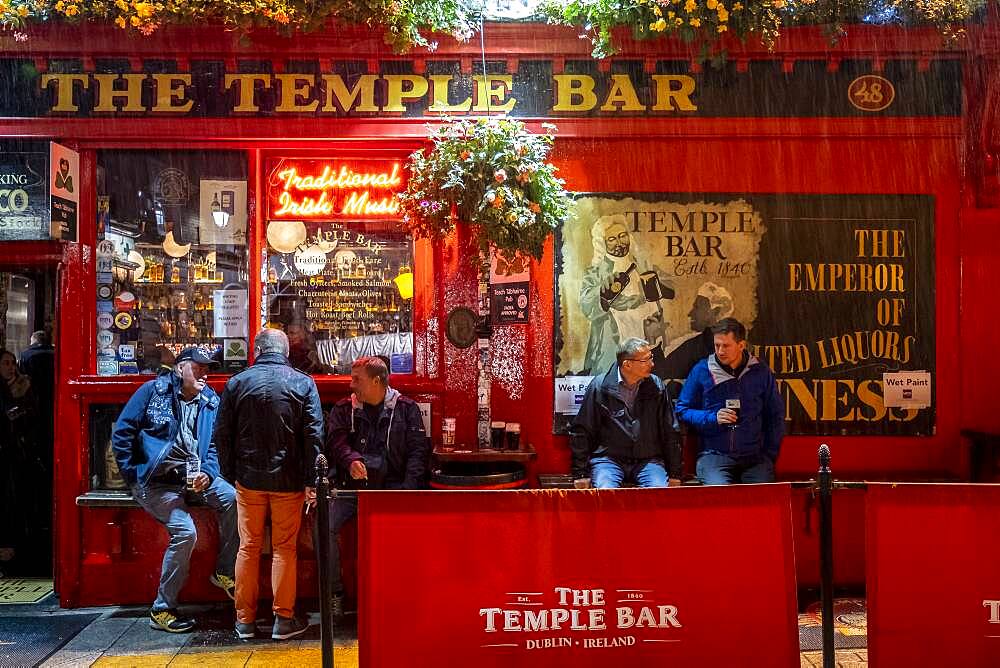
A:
[609,473]
[716,469]
[167,505]
[342,510]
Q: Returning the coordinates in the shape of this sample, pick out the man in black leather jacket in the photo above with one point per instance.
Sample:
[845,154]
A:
[268,433]
[376,440]
[625,430]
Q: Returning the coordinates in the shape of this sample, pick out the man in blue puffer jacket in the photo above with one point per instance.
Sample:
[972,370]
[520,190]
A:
[167,423]
[731,399]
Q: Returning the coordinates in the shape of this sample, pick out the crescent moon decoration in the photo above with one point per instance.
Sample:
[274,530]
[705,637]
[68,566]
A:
[172,248]
[136,258]
[310,261]
[285,236]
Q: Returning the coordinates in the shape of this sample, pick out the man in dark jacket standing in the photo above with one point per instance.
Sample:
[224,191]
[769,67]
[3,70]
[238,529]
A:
[731,399]
[625,428]
[269,432]
[376,440]
[165,429]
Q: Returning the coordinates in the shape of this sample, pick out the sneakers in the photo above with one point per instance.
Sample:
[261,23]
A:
[170,621]
[337,605]
[287,627]
[225,583]
[246,631]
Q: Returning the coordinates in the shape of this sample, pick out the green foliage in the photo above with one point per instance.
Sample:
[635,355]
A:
[706,21]
[406,22]
[490,173]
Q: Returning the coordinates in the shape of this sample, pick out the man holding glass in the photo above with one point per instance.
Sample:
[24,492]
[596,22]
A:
[731,399]
[163,445]
[376,440]
[625,430]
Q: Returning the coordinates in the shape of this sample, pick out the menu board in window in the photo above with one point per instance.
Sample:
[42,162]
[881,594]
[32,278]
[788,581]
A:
[338,275]
[343,294]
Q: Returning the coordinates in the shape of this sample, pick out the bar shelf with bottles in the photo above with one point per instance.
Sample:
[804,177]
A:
[176,302]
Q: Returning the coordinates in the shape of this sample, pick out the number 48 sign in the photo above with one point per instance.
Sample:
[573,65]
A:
[871,93]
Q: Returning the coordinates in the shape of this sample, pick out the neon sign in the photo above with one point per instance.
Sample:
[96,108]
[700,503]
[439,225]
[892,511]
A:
[322,189]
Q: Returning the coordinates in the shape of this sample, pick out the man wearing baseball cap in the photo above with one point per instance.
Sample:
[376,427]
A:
[163,445]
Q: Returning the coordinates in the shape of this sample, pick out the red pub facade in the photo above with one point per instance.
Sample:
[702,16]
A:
[844,196]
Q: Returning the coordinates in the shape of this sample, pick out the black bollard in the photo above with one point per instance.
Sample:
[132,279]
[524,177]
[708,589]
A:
[826,554]
[323,560]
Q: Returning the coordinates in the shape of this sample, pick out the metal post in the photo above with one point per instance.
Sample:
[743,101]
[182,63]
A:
[826,554]
[323,560]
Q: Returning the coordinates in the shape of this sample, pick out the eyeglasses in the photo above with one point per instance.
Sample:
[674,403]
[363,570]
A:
[644,360]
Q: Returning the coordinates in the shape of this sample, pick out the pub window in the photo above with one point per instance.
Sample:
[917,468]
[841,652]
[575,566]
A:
[104,473]
[171,258]
[338,275]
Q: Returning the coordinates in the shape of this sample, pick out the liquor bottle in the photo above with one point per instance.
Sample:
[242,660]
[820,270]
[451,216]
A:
[175,273]
[619,282]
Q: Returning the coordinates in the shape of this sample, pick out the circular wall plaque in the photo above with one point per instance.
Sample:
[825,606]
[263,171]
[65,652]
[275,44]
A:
[460,327]
[871,93]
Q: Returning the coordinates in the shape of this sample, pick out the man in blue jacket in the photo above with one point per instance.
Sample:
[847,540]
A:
[164,428]
[731,399]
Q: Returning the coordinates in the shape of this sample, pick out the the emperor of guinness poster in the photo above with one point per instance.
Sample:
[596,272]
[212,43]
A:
[835,290]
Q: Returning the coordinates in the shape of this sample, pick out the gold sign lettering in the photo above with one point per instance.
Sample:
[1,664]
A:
[107,93]
[440,84]
[303,93]
[490,92]
[170,89]
[364,90]
[245,96]
[573,87]
[673,92]
[398,92]
[622,94]
[294,87]
[64,89]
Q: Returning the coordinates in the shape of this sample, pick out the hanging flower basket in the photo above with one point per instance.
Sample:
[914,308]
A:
[492,174]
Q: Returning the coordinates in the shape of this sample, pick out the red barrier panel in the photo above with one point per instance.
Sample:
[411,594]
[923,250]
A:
[933,582]
[636,577]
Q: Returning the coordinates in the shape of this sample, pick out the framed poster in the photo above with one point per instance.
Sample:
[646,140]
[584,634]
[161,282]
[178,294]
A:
[835,290]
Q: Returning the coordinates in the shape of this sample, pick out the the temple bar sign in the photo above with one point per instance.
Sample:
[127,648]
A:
[537,88]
